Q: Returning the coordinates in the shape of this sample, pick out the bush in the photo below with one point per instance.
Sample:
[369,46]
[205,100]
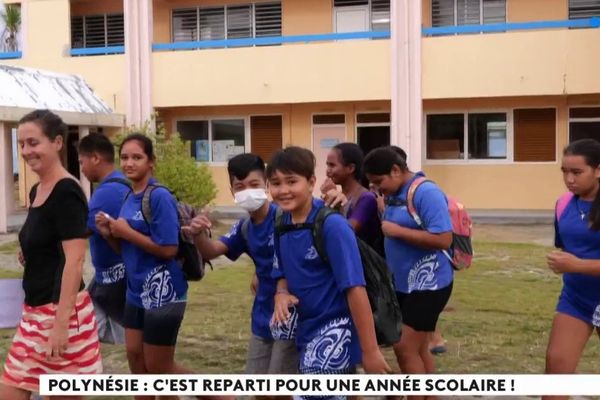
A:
[192,183]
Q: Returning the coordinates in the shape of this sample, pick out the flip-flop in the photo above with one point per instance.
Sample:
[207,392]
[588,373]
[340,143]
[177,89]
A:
[438,350]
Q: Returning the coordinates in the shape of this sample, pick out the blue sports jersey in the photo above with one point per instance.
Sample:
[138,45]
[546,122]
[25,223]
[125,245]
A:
[152,281]
[574,236]
[260,249]
[325,333]
[108,197]
[415,268]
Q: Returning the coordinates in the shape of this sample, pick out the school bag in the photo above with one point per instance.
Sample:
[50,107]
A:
[379,282]
[562,204]
[188,255]
[461,249]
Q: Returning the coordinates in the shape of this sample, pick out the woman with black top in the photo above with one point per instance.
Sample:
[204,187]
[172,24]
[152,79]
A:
[57,332]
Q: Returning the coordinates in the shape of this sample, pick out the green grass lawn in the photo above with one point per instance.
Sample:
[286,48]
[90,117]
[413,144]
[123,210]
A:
[501,313]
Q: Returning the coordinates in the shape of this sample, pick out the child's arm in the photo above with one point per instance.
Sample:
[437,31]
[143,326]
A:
[372,359]
[210,249]
[283,301]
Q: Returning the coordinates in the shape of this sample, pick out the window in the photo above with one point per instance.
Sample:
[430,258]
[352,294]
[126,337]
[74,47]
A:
[329,119]
[362,15]
[535,134]
[579,9]
[97,31]
[214,140]
[266,132]
[584,123]
[467,12]
[372,131]
[473,136]
[227,22]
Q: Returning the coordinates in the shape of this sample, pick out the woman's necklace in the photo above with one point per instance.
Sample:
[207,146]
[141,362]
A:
[581,212]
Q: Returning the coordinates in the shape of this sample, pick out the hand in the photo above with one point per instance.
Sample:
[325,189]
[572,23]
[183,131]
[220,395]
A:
[57,341]
[103,223]
[389,229]
[560,262]
[374,363]
[21,258]
[380,202]
[327,186]
[334,198]
[281,312]
[254,285]
[200,223]
[119,228]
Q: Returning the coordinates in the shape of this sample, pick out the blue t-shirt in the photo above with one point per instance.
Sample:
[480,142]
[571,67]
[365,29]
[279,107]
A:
[108,197]
[574,236]
[151,281]
[325,333]
[415,268]
[260,249]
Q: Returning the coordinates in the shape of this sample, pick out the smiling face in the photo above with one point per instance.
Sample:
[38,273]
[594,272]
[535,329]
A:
[387,184]
[38,150]
[580,178]
[291,191]
[135,163]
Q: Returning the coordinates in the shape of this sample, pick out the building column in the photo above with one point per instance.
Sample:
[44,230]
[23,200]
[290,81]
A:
[407,103]
[6,176]
[83,180]
[138,55]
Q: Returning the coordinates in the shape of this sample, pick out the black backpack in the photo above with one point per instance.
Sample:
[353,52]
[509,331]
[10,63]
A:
[188,255]
[380,284]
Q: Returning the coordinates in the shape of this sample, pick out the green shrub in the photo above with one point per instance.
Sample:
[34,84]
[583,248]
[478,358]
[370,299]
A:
[175,168]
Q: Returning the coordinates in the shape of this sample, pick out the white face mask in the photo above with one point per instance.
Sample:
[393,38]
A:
[251,199]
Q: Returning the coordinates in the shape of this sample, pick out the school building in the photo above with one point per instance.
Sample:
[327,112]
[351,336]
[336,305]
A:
[483,94]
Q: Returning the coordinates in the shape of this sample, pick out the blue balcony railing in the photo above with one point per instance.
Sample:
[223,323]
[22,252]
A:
[11,55]
[265,41]
[513,26]
[97,51]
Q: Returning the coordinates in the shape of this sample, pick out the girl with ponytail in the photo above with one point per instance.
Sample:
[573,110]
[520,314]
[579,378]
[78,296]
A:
[577,239]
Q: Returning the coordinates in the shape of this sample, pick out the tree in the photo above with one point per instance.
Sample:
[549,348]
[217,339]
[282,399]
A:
[11,17]
[192,183]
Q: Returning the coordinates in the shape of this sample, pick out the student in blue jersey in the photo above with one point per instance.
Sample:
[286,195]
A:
[96,158]
[156,286]
[254,236]
[422,273]
[335,329]
[578,258]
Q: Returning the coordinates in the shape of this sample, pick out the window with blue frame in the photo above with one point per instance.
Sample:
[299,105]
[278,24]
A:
[95,31]
[467,12]
[581,9]
[361,15]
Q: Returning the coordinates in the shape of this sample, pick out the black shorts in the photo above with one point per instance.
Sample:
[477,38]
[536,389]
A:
[110,298]
[160,326]
[421,309]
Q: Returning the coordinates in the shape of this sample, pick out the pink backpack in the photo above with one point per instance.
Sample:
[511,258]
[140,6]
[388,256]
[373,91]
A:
[462,227]
[562,203]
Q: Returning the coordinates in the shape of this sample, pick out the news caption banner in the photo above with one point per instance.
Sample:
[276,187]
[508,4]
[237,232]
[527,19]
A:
[306,385]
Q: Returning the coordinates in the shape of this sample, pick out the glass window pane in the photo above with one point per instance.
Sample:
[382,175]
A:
[212,23]
[468,12]
[228,138]
[442,13]
[196,132]
[487,136]
[445,137]
[584,130]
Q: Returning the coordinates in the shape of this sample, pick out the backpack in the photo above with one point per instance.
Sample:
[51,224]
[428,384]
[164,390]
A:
[562,204]
[461,254]
[379,282]
[188,255]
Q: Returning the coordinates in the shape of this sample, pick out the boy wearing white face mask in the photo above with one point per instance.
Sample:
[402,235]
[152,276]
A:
[266,354]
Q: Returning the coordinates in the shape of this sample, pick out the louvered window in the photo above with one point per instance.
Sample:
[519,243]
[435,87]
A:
[350,3]
[185,25]
[535,134]
[380,15]
[97,31]
[239,22]
[467,12]
[231,22]
[266,132]
[268,19]
[579,9]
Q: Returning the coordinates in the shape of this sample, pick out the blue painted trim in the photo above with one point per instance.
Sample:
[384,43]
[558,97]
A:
[513,26]
[207,44]
[94,51]
[11,55]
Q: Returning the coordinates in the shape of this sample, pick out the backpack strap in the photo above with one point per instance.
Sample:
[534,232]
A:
[318,231]
[244,229]
[410,197]
[562,203]
[146,207]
